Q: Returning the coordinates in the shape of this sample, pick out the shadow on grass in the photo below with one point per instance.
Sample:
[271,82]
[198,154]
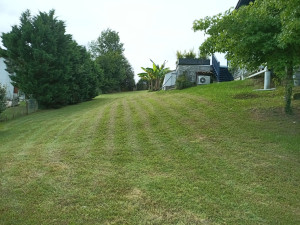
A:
[246,96]
[51,116]
[19,112]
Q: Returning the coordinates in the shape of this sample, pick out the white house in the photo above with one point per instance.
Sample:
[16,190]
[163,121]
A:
[5,81]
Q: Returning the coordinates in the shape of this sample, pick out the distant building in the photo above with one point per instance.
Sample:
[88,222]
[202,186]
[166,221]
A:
[6,81]
[192,68]
[198,71]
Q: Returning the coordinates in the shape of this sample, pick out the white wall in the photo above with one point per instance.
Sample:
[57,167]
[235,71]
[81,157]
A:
[169,80]
[5,80]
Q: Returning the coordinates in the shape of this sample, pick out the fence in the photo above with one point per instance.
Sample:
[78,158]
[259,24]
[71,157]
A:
[24,108]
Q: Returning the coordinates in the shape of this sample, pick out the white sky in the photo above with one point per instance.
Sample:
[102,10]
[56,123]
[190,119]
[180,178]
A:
[149,29]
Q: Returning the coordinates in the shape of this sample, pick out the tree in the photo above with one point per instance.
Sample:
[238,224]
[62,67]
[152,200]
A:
[84,81]
[128,83]
[108,53]
[108,41]
[149,76]
[45,62]
[113,71]
[265,32]
[160,72]
[37,55]
[142,84]
[154,75]
[190,55]
[2,98]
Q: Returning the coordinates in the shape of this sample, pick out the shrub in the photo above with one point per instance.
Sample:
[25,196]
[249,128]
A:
[2,98]
[142,85]
[182,82]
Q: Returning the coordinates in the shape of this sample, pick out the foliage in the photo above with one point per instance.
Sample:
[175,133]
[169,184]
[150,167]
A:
[2,98]
[108,53]
[190,55]
[128,82]
[15,112]
[265,32]
[46,63]
[183,82]
[84,83]
[154,75]
[108,41]
[142,84]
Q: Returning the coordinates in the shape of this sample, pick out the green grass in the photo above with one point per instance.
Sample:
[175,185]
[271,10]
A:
[14,112]
[216,154]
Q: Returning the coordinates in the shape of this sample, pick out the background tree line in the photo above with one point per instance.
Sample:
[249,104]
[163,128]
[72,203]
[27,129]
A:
[108,53]
[48,65]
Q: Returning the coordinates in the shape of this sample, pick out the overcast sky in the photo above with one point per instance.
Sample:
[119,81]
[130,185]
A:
[153,29]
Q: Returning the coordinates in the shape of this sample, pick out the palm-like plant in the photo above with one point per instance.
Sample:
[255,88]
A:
[148,75]
[154,75]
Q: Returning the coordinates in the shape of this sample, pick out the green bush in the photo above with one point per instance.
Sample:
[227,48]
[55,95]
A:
[182,82]
[2,98]
[142,85]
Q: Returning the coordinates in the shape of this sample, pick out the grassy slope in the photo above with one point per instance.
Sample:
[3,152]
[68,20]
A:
[211,154]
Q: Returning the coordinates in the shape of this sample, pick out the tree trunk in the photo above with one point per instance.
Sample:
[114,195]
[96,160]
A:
[289,88]
[152,85]
[158,83]
[149,84]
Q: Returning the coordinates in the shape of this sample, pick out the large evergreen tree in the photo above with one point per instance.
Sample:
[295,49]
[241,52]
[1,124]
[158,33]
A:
[45,62]
[84,81]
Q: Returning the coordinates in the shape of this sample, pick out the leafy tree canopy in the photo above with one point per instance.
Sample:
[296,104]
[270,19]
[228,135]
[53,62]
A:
[45,62]
[108,53]
[154,75]
[108,41]
[190,55]
[142,84]
[265,32]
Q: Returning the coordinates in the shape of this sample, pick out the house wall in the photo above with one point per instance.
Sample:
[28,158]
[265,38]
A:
[169,80]
[5,80]
[191,70]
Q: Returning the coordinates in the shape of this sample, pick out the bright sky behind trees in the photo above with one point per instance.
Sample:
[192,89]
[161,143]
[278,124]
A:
[149,29]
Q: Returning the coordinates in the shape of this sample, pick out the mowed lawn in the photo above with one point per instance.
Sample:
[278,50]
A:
[216,154]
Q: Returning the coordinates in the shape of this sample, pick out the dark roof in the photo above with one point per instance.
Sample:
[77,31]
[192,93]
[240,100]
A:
[205,73]
[194,62]
[243,2]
